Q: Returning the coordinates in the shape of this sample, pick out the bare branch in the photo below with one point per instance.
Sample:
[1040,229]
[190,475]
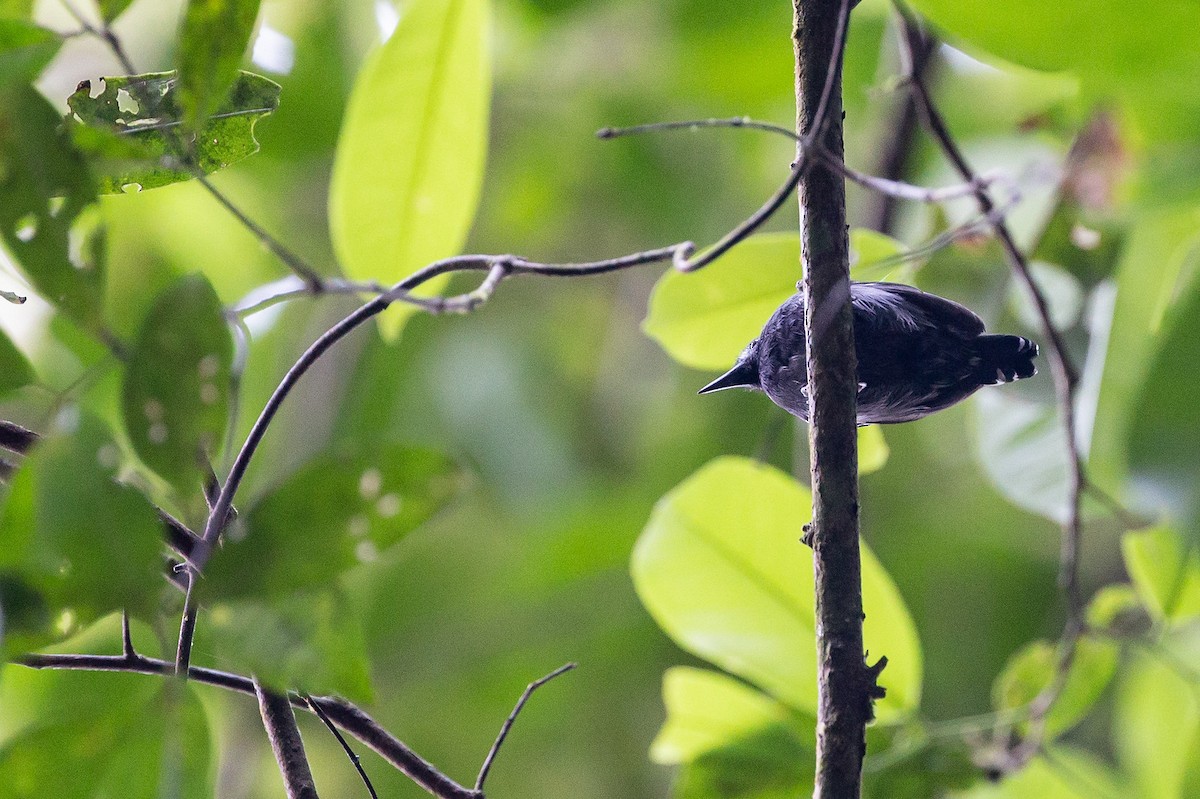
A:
[512,717]
[345,715]
[286,743]
[315,707]
[1065,381]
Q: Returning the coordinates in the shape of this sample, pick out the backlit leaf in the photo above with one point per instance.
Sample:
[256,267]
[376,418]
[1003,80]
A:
[721,568]
[212,40]
[410,156]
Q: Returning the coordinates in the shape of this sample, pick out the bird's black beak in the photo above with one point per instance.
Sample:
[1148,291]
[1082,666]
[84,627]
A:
[744,374]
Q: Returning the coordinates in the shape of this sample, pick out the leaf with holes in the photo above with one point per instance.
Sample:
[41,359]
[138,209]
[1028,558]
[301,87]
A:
[176,393]
[129,130]
[411,153]
[338,511]
[47,220]
[212,41]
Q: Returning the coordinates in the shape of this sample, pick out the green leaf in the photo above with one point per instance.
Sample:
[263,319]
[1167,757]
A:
[1021,448]
[79,733]
[1060,773]
[704,319]
[25,50]
[15,370]
[176,394]
[88,543]
[16,9]
[45,218]
[410,157]
[1030,670]
[721,569]
[1164,436]
[1156,729]
[1155,253]
[873,450]
[1117,610]
[336,512]
[1165,572]
[309,641]
[212,40]
[111,9]
[768,764]
[874,256]
[129,130]
[706,711]
[1094,41]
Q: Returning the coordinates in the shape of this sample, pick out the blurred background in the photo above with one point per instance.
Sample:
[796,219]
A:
[569,421]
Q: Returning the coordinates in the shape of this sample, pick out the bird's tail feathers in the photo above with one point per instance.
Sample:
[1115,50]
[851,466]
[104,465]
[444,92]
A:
[1005,358]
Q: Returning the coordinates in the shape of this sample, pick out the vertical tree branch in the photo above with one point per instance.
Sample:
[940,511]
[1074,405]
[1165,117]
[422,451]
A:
[280,721]
[845,684]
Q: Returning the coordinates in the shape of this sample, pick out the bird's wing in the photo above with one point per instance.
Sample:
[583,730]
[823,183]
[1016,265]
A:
[895,307]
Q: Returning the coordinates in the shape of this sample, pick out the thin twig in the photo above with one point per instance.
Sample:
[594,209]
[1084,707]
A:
[885,186]
[284,734]
[345,715]
[512,717]
[315,707]
[1065,380]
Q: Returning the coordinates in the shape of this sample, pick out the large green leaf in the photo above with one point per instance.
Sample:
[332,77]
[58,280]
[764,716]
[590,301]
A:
[89,734]
[15,370]
[721,568]
[1112,47]
[707,710]
[1165,571]
[212,40]
[411,153]
[336,512]
[45,194]
[88,543]
[176,394]
[130,129]
[1029,671]
[704,319]
[1164,435]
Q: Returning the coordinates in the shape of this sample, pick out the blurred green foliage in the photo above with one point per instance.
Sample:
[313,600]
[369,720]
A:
[527,445]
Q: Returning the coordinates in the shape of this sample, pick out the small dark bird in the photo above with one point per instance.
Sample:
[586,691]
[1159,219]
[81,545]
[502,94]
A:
[917,353]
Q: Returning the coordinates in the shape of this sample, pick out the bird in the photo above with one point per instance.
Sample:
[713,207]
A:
[918,353]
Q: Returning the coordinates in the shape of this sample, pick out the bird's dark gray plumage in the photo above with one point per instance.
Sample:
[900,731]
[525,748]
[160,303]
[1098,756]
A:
[917,353]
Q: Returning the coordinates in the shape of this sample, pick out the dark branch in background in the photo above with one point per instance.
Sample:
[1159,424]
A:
[512,717]
[345,715]
[286,743]
[846,686]
[1065,378]
[898,147]
[315,707]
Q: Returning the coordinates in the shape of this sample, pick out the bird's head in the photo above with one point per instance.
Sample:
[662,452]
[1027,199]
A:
[744,373]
